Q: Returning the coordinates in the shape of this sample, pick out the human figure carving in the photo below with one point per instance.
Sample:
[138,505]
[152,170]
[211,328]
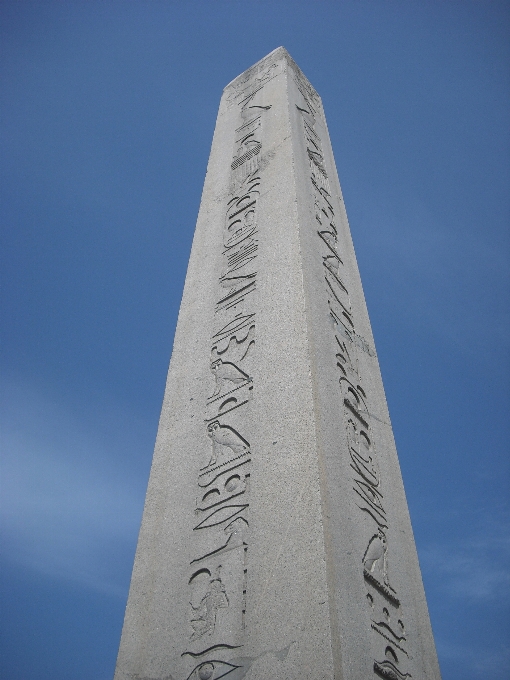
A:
[330,262]
[235,531]
[204,620]
[376,556]
[225,371]
[222,436]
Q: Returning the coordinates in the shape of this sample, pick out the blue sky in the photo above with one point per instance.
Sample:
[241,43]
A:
[108,111]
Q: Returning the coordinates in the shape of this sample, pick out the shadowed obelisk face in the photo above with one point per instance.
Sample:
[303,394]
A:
[276,542]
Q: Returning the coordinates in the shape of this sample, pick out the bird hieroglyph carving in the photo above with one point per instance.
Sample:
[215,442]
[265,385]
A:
[226,372]
[375,558]
[222,437]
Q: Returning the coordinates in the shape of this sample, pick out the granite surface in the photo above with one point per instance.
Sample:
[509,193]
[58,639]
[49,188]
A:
[276,541]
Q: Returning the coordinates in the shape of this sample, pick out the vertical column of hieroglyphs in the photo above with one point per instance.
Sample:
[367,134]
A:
[218,570]
[387,632]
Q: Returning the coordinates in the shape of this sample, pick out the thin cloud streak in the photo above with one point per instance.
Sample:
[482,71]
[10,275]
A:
[60,515]
[475,569]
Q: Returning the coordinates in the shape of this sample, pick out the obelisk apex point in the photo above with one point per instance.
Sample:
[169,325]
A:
[277,53]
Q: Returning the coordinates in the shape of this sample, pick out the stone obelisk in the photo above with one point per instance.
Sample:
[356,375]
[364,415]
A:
[276,542]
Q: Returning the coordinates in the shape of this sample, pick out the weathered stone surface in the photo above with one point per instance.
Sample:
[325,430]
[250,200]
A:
[276,541]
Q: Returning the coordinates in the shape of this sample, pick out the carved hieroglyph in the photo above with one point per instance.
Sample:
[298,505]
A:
[221,534]
[276,542]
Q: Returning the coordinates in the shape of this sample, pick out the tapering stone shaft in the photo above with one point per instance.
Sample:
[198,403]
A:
[276,542]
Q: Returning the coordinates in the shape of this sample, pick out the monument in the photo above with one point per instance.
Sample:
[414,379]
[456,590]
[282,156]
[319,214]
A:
[275,542]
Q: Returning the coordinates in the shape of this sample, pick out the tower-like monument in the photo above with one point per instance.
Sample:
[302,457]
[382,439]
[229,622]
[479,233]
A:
[276,542]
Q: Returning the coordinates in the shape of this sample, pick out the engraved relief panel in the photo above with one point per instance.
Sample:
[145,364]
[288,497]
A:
[388,640]
[253,80]
[218,568]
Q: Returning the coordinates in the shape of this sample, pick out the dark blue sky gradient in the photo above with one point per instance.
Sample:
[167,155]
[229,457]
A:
[108,111]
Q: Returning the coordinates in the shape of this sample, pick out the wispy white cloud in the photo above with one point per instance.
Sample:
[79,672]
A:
[476,566]
[468,576]
[494,663]
[68,510]
[471,572]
